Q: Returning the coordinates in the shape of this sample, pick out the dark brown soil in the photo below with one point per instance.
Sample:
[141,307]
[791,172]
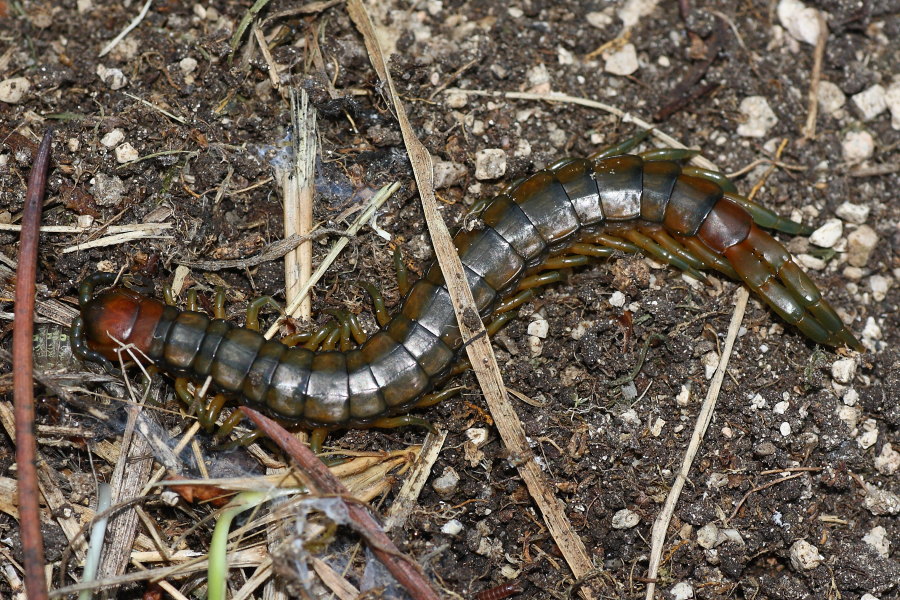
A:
[605,448]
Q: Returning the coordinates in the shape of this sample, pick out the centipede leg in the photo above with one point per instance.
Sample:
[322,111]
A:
[219,303]
[437,397]
[381,313]
[356,330]
[591,250]
[715,176]
[696,247]
[610,241]
[343,319]
[320,335]
[192,302]
[403,421]
[564,262]
[402,272]
[229,424]
[317,439]
[660,253]
[542,279]
[257,305]
[81,349]
[621,148]
[764,217]
[296,338]
[330,343]
[168,295]
[513,302]
[673,154]
[661,237]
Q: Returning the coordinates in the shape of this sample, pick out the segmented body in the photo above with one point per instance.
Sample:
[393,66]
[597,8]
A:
[646,204]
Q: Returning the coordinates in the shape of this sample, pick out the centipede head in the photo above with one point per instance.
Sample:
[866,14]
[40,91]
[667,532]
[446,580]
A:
[118,317]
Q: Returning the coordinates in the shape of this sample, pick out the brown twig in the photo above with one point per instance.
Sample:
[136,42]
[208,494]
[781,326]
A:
[759,488]
[23,384]
[809,131]
[404,569]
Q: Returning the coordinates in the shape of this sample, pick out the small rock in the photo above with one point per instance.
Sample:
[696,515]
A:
[126,153]
[107,190]
[800,21]
[188,65]
[888,461]
[708,536]
[869,597]
[781,407]
[810,262]
[867,439]
[831,98]
[853,213]
[448,174]
[849,415]
[881,502]
[758,117]
[14,89]
[877,538]
[445,485]
[828,234]
[871,102]
[872,330]
[843,369]
[630,417]
[892,99]
[538,79]
[684,396]
[623,61]
[682,591]
[114,78]
[785,429]
[73,144]
[625,519]
[765,449]
[452,527]
[657,427]
[879,284]
[851,397]
[858,146]
[539,328]
[617,299]
[113,138]
[710,362]
[84,6]
[634,10]
[598,19]
[490,163]
[457,100]
[805,556]
[477,435]
[860,244]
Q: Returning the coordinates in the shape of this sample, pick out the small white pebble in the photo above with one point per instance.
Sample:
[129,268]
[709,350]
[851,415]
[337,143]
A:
[452,527]
[617,299]
[831,98]
[828,234]
[622,61]
[598,19]
[684,396]
[758,117]
[881,502]
[758,402]
[781,407]
[188,65]
[853,213]
[448,174]
[871,102]
[84,6]
[805,556]
[892,99]
[871,330]
[73,144]
[849,415]
[126,153]
[710,362]
[477,435]
[539,328]
[113,138]
[860,245]
[682,591]
[630,417]
[867,439]
[538,79]
[888,461]
[843,369]
[625,519]
[114,78]
[457,100]
[785,429]
[801,21]
[708,535]
[490,163]
[868,596]
[85,220]
[446,484]
[657,427]
[810,262]
[877,538]
[851,397]
[858,146]
[14,89]
[879,284]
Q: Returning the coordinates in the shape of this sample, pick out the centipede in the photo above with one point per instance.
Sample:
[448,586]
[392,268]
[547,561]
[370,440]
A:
[575,211]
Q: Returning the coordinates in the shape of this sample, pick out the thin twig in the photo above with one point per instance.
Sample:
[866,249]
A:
[137,21]
[322,482]
[661,525]
[759,488]
[809,131]
[23,384]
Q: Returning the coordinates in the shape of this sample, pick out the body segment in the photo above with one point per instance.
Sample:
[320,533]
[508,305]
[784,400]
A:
[580,207]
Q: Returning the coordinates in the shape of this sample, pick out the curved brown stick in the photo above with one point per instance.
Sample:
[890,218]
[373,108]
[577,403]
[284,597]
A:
[23,384]
[320,480]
